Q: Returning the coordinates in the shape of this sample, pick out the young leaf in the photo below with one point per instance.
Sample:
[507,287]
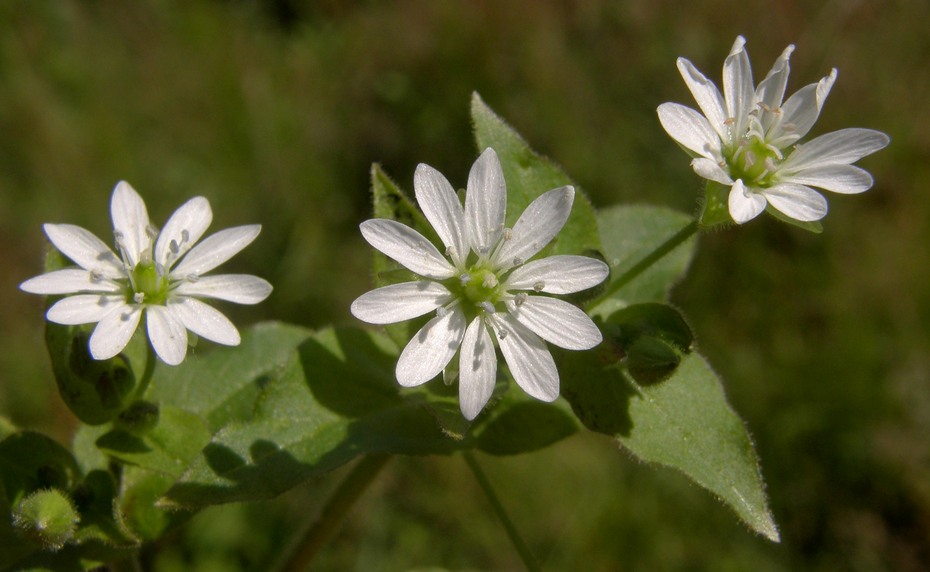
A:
[630,233]
[529,175]
[224,386]
[334,399]
[683,422]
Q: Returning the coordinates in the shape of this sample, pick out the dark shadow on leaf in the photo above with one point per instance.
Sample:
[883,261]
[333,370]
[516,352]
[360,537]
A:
[596,389]
[348,373]
[122,442]
[222,459]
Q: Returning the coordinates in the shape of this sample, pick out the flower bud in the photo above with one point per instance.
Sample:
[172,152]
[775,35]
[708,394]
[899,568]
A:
[47,518]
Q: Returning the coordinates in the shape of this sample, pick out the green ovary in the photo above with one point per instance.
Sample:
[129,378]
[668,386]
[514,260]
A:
[752,162]
[480,285]
[146,280]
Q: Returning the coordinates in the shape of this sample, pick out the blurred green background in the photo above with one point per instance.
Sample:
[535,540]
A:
[275,111]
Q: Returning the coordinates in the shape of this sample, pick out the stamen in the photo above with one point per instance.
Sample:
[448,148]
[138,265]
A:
[464,278]
[487,307]
[520,298]
[441,311]
[152,231]
[508,234]
[192,277]
[539,286]
[490,281]
[138,298]
[185,236]
[96,276]
[174,247]
[450,251]
[517,261]
[502,334]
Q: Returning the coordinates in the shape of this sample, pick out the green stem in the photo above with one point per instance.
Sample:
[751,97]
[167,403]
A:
[647,261]
[147,374]
[335,510]
[528,560]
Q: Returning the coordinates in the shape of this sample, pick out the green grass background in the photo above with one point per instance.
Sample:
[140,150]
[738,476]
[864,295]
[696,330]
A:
[275,111]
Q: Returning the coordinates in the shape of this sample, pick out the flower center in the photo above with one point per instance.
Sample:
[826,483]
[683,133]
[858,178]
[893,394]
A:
[480,285]
[149,286]
[754,161]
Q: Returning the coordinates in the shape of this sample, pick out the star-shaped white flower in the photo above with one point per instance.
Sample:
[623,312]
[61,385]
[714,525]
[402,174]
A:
[158,274]
[747,139]
[484,288]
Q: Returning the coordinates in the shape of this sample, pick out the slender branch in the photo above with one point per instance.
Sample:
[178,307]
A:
[147,374]
[529,561]
[647,261]
[335,510]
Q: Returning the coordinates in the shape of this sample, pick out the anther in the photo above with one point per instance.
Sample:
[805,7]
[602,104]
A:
[508,234]
[538,286]
[138,298]
[487,307]
[192,277]
[517,261]
[520,298]
[185,236]
[96,276]
[464,278]
[151,230]
[173,246]
[490,281]
[502,334]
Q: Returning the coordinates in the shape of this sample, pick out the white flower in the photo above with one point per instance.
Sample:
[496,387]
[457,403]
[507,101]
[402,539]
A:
[483,288]
[748,137]
[159,274]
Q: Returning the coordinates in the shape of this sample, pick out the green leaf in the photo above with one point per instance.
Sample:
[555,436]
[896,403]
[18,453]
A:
[335,399]
[630,234]
[529,175]
[223,386]
[683,422]
[650,337]
[31,461]
[524,426]
[167,448]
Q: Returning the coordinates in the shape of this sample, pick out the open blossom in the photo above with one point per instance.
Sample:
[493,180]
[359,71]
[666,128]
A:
[484,287]
[748,139]
[160,275]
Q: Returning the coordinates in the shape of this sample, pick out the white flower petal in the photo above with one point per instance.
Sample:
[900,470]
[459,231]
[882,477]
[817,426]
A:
[527,356]
[803,108]
[442,209]
[797,201]
[399,302]
[184,228]
[557,322]
[84,309]
[238,288]
[130,222]
[68,281]
[707,96]
[485,202]
[560,274]
[204,320]
[114,331]
[477,369]
[846,179]
[771,90]
[744,204]
[85,249]
[711,170]
[836,148]
[431,349]
[167,334]
[536,227]
[408,247]
[690,129]
[215,250]
[738,87]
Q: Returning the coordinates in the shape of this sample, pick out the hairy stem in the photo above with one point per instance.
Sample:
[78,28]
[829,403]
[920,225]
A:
[647,261]
[335,510]
[528,560]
